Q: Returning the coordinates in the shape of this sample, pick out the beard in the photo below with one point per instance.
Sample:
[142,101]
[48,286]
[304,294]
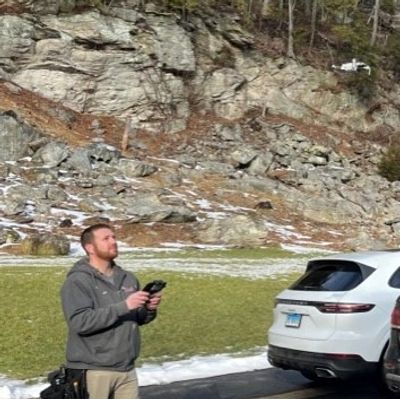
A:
[106,254]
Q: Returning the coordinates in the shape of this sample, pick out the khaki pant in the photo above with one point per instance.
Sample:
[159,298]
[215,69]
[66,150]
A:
[105,384]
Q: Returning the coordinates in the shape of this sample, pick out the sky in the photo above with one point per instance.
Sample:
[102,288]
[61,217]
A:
[164,373]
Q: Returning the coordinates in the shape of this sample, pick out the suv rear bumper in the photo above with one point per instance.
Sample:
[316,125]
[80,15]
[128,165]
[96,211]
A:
[342,366]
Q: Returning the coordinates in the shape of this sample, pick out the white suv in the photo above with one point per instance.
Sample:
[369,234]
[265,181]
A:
[334,321]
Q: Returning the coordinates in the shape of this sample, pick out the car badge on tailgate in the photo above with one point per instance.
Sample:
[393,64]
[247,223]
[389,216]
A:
[293,320]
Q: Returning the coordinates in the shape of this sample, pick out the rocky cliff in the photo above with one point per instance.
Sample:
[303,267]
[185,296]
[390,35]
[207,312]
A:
[182,131]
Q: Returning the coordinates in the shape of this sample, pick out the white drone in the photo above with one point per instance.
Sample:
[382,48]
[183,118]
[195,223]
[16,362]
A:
[353,66]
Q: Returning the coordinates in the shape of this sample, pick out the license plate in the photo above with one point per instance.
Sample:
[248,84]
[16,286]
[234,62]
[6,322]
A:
[293,320]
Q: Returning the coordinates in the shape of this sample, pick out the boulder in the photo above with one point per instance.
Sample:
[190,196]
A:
[261,164]
[45,244]
[4,170]
[132,168]
[146,208]
[103,152]
[229,133]
[244,155]
[56,194]
[89,205]
[9,236]
[363,241]
[216,167]
[80,160]
[14,207]
[15,137]
[52,154]
[237,230]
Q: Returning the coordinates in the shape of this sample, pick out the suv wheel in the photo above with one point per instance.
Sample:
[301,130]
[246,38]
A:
[382,384]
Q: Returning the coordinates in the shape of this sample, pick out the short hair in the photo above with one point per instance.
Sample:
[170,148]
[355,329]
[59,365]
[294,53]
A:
[87,235]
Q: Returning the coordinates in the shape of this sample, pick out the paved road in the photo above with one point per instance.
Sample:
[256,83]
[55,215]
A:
[264,384]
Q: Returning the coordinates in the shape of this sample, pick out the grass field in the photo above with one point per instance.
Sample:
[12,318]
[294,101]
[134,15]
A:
[199,315]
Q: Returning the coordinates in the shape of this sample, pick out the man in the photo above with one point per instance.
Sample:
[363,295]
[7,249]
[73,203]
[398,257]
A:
[103,307]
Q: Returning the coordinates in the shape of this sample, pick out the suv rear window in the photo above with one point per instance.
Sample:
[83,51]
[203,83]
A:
[395,279]
[332,275]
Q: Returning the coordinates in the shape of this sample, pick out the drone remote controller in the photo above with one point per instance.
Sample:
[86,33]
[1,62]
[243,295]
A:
[154,286]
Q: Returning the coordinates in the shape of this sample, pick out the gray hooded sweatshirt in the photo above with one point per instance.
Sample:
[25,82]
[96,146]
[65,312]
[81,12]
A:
[103,334]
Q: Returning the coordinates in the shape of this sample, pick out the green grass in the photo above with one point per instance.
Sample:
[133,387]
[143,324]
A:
[199,315]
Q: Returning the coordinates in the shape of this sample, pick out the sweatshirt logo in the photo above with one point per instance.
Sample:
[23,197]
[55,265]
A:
[127,289]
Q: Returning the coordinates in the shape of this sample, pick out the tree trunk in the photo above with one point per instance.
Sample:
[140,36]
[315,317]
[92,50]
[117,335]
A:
[323,13]
[313,21]
[290,51]
[125,137]
[265,9]
[307,8]
[281,21]
[376,23]
[250,7]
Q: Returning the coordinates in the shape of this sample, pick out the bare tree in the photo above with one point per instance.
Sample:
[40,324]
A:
[376,22]
[281,6]
[250,7]
[126,135]
[307,8]
[290,51]
[313,21]
[265,9]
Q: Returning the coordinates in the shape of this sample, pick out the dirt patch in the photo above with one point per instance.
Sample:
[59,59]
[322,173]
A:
[155,234]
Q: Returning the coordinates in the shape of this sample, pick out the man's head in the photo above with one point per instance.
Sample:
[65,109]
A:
[99,241]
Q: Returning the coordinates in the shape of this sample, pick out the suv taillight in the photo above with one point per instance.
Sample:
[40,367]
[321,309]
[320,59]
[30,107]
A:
[330,307]
[395,318]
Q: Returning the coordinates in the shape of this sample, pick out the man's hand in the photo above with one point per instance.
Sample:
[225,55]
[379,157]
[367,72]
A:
[154,301]
[137,300]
